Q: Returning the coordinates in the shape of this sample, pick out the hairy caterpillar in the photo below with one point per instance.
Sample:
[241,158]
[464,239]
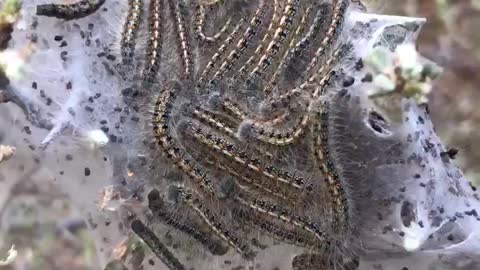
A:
[73,11]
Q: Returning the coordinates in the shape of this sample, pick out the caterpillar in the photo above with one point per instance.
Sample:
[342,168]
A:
[333,29]
[156,205]
[127,44]
[154,47]
[160,250]
[280,36]
[68,12]
[218,228]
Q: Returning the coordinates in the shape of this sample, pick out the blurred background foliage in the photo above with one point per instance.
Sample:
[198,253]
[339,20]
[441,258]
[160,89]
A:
[49,234]
[451,39]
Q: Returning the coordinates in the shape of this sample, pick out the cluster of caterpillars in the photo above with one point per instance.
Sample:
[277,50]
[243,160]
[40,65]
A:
[278,52]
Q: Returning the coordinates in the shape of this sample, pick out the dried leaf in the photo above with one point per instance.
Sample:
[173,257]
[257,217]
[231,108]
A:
[6,152]
[110,199]
[120,251]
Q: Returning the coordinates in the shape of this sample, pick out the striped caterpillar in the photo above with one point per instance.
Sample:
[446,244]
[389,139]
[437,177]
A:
[73,11]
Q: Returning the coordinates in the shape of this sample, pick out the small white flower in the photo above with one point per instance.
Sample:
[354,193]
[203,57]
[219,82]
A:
[407,56]
[384,83]
[12,63]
